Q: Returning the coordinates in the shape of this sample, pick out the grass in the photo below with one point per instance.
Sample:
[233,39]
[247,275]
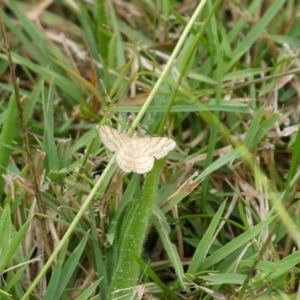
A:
[218,217]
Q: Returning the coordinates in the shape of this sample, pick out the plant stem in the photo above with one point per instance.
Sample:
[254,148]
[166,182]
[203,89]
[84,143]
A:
[127,271]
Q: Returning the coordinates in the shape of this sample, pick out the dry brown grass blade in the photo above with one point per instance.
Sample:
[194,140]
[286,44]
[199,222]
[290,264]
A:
[25,135]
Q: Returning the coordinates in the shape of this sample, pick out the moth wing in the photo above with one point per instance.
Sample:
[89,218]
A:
[125,159]
[157,147]
[112,138]
[143,164]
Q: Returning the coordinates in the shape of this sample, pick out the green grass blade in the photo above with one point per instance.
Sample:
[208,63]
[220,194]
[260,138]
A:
[87,292]
[205,242]
[163,229]
[5,229]
[235,244]
[49,144]
[248,142]
[56,276]
[14,244]
[7,137]
[264,128]
[155,278]
[69,267]
[255,32]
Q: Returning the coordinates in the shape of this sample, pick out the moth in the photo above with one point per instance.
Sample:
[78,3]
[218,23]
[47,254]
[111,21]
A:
[135,154]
